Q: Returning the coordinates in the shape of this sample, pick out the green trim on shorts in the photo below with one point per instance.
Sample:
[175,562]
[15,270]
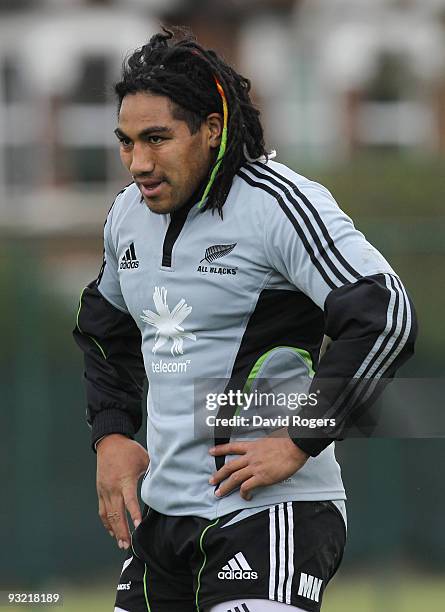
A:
[145,588]
[201,541]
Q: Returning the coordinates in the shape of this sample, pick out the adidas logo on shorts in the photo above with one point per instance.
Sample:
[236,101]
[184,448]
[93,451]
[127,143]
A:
[129,260]
[237,568]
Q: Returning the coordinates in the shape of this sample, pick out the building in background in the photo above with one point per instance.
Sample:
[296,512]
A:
[343,75]
[58,61]
[331,77]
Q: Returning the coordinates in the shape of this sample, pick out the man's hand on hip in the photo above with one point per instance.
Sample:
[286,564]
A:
[120,464]
[261,463]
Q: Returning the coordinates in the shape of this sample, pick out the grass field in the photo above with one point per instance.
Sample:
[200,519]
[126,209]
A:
[385,594]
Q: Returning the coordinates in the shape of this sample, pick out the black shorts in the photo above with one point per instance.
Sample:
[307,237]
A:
[286,553]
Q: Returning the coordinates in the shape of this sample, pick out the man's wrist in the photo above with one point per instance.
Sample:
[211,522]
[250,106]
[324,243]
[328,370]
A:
[312,446]
[96,444]
[111,421]
[296,451]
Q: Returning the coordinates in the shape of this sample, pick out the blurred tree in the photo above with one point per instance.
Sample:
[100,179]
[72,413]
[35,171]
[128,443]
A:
[17,5]
[393,79]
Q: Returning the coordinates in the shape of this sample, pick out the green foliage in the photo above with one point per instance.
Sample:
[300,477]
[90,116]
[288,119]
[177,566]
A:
[386,186]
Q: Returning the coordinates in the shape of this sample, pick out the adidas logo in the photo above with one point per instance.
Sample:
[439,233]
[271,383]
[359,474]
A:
[129,260]
[237,569]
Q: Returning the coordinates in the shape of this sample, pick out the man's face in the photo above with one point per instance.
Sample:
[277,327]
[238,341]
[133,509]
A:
[167,162]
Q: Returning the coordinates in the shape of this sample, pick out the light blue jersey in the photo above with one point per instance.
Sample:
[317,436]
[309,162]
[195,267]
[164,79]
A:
[235,299]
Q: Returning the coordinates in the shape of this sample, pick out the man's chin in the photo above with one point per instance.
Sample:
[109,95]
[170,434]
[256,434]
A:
[161,206]
[158,205]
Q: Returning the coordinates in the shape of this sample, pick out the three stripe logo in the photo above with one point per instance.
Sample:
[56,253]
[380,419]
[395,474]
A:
[281,551]
[241,608]
[129,260]
[307,221]
[333,267]
[237,568]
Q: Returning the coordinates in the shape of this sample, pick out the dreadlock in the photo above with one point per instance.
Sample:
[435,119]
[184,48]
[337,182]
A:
[199,83]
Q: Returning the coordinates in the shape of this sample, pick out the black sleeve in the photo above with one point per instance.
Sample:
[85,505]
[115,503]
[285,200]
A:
[372,326]
[114,371]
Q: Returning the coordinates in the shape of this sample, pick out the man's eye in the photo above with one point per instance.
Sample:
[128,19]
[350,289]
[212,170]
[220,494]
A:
[125,142]
[155,139]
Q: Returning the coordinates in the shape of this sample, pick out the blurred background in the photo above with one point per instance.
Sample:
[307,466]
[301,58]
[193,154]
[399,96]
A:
[352,94]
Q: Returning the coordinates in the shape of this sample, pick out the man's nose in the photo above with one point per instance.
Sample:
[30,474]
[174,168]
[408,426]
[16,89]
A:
[142,162]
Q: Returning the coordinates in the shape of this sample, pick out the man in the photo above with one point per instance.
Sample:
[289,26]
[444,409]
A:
[230,267]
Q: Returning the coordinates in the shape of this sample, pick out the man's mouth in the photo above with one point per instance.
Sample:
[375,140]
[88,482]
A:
[151,187]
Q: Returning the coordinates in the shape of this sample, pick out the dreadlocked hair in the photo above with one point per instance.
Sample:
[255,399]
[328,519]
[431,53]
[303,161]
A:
[174,65]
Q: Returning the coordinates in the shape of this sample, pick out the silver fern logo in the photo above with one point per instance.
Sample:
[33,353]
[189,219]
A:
[168,324]
[212,254]
[216,251]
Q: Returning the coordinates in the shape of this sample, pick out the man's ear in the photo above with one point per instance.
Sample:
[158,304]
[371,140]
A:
[214,124]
